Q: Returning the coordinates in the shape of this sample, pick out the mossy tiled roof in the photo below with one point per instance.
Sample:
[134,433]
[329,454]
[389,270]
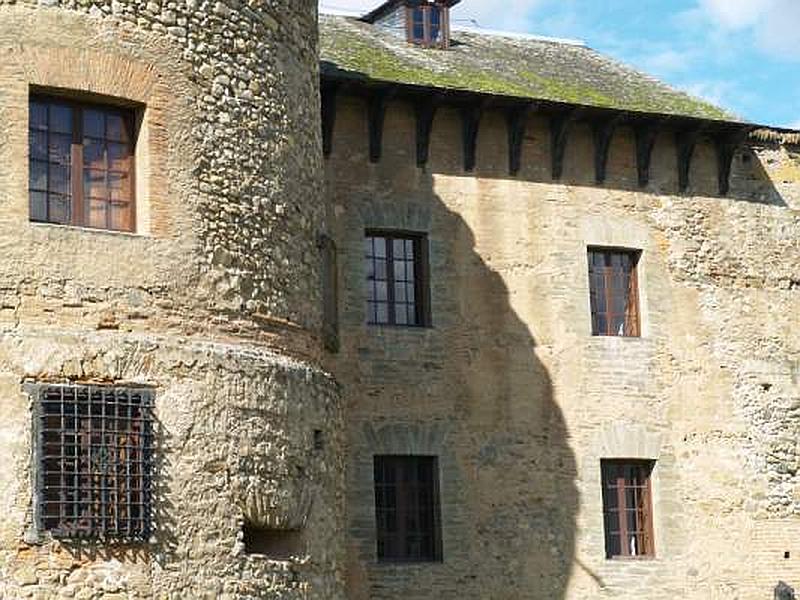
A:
[507,66]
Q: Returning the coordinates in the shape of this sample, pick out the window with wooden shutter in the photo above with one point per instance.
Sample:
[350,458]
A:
[613,291]
[81,164]
[627,508]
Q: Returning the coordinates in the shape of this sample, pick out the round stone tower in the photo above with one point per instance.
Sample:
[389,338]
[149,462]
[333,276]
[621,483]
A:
[166,430]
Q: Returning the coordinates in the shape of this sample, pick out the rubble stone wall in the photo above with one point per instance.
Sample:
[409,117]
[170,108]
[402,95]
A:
[521,403]
[214,301]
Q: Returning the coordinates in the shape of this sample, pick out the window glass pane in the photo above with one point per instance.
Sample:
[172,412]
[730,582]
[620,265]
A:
[120,216]
[94,123]
[382,312]
[94,154]
[400,315]
[58,209]
[59,149]
[37,173]
[59,180]
[60,119]
[119,186]
[118,158]
[97,213]
[94,184]
[37,143]
[418,26]
[38,206]
[37,114]
[117,129]
[379,247]
[436,19]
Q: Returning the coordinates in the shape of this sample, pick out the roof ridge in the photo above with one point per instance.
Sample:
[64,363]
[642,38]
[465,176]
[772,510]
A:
[519,36]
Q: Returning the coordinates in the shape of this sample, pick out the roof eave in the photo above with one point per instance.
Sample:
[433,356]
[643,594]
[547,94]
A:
[357,80]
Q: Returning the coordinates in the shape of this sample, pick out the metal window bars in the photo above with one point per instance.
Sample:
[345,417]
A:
[94,462]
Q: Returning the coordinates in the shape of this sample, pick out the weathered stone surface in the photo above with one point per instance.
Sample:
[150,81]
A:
[209,302]
[520,403]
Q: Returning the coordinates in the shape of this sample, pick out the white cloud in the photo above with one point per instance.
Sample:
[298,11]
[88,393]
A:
[774,24]
[794,125]
[737,14]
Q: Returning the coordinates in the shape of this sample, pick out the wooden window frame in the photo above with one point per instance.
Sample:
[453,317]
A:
[633,326]
[644,513]
[422,303]
[444,25]
[78,216]
[404,506]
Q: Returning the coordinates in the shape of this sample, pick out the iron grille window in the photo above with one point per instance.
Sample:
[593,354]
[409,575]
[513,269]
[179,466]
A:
[407,509]
[397,286]
[94,462]
[627,508]
[81,164]
[613,290]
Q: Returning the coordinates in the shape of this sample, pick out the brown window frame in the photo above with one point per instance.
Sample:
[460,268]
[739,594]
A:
[616,491]
[422,310]
[414,506]
[78,201]
[444,25]
[632,313]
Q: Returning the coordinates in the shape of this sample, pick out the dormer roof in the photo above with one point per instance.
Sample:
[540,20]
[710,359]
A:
[392,5]
[507,65]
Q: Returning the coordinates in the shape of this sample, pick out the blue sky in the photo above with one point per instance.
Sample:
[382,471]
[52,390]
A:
[741,54]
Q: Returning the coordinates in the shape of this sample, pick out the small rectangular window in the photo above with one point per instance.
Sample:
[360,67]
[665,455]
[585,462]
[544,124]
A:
[613,291]
[407,509]
[94,470]
[627,508]
[428,25]
[397,283]
[81,164]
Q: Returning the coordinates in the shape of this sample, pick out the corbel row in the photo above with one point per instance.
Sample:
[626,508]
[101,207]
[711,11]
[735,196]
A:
[687,133]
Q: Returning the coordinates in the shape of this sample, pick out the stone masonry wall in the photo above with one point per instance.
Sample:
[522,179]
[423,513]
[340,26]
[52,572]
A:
[520,402]
[213,302]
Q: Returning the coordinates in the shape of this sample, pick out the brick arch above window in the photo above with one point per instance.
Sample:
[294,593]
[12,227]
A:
[103,76]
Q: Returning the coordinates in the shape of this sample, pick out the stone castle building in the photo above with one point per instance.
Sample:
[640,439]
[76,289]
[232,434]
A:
[395,311]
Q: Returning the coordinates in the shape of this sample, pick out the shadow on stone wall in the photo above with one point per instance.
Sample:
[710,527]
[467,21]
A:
[519,462]
[509,495]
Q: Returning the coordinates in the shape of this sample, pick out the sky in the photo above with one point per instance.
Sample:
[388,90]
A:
[743,55]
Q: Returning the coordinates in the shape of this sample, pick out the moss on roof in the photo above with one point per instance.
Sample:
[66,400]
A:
[508,66]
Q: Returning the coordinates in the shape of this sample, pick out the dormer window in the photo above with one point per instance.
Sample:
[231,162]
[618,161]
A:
[428,24]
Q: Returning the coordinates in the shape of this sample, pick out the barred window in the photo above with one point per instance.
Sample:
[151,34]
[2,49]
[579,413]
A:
[407,509]
[94,471]
[397,280]
[627,508]
[613,291]
[81,164]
